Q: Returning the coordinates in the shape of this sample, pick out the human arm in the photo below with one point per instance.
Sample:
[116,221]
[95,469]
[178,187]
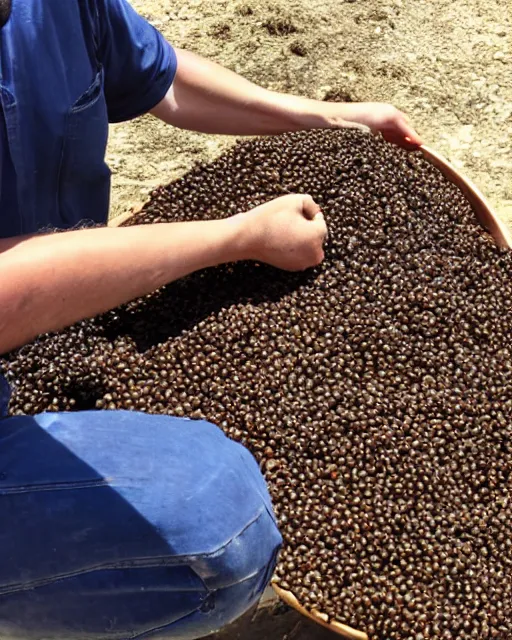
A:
[209,98]
[144,73]
[48,282]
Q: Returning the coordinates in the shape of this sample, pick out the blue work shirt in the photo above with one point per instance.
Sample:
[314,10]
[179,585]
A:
[67,69]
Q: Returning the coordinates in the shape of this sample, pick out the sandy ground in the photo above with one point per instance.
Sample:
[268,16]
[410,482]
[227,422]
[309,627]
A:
[448,64]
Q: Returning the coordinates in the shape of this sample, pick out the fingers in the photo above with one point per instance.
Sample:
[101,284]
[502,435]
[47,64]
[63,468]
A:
[396,127]
[409,138]
[321,237]
[312,212]
[309,207]
[317,229]
[319,221]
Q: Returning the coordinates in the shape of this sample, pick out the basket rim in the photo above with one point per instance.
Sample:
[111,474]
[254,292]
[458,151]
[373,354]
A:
[320,618]
[485,214]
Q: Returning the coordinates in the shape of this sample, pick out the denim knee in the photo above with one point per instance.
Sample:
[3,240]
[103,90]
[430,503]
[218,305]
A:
[124,525]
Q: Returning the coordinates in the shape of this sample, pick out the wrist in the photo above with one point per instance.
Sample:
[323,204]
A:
[348,114]
[303,113]
[239,237]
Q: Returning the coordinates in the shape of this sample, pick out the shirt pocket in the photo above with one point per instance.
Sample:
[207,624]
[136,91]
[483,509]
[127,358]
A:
[84,178]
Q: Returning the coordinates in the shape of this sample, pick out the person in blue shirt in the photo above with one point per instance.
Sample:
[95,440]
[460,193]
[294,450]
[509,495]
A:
[117,525]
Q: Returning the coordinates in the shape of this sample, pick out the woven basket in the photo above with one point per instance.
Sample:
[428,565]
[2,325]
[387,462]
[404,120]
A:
[503,237]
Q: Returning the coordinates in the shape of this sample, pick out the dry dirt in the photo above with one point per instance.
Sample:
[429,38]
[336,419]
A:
[447,63]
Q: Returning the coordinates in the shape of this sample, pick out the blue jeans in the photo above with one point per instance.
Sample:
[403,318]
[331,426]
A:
[120,525]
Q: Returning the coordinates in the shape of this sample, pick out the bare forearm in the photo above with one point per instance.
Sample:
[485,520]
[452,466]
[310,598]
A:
[209,98]
[49,282]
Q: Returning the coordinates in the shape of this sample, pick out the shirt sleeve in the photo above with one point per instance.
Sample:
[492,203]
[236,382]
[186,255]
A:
[139,64]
